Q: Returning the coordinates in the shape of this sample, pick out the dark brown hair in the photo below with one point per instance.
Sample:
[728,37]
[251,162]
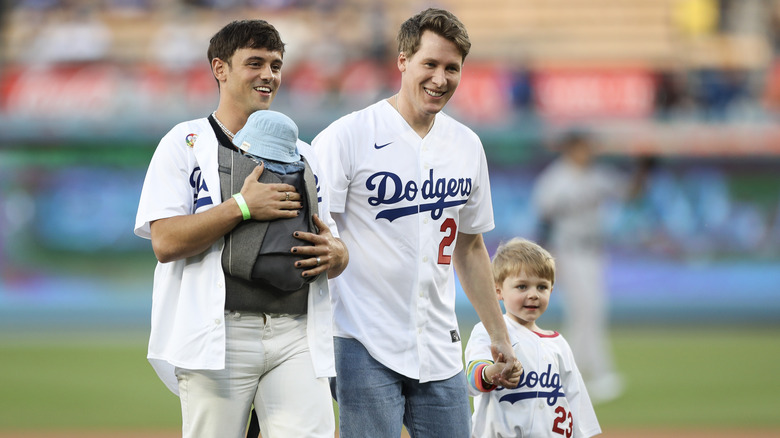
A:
[253,34]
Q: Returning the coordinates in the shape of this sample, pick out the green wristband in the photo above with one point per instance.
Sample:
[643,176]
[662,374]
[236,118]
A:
[242,205]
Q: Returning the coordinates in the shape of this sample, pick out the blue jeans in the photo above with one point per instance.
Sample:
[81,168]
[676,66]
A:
[374,400]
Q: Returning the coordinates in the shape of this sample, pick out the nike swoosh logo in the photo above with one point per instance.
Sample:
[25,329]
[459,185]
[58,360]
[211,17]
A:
[380,146]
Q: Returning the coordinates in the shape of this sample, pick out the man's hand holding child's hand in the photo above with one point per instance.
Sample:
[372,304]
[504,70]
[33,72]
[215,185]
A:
[502,373]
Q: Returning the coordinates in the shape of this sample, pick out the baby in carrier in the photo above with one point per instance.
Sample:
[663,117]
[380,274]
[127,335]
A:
[259,251]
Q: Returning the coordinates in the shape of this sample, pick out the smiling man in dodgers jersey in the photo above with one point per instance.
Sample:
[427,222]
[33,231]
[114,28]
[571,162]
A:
[410,193]
[221,337]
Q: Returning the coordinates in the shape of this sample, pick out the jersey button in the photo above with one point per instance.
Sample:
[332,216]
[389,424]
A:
[425,259]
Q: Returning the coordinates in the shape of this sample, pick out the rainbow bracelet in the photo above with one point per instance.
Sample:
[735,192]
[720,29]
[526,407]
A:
[474,375]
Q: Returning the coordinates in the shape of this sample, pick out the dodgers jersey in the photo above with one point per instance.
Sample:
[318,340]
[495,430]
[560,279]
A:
[551,399]
[399,202]
[188,295]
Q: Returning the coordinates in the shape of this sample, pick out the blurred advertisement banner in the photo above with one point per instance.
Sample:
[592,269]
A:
[563,95]
[73,94]
[483,95]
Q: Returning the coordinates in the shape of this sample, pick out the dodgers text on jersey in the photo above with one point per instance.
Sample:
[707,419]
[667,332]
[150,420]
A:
[202,196]
[390,190]
[527,388]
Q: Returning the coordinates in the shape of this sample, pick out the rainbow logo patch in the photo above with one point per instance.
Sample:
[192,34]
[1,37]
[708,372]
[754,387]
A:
[191,138]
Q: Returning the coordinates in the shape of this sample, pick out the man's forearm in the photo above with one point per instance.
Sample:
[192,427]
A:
[472,263]
[179,237]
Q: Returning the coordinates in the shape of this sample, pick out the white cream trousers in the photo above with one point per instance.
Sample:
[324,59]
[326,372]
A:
[267,363]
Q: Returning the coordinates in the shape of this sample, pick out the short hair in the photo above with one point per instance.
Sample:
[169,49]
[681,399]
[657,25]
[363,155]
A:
[574,137]
[439,21]
[240,34]
[521,255]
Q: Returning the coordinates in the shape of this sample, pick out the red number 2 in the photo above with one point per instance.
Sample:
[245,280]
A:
[448,226]
[562,417]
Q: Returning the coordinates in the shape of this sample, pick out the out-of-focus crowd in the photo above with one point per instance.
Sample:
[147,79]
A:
[704,60]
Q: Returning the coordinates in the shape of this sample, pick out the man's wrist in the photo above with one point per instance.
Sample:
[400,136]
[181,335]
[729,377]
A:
[242,205]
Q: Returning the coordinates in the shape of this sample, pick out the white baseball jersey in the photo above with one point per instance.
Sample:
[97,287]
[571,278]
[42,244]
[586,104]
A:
[572,198]
[188,303]
[551,399]
[399,201]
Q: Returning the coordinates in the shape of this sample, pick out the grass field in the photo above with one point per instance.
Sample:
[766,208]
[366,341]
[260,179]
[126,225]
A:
[686,378]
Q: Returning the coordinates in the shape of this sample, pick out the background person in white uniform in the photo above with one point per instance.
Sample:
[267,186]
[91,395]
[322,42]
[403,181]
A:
[570,196]
[410,193]
[220,341]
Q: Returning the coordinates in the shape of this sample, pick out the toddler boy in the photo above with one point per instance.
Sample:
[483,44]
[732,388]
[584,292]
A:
[550,399]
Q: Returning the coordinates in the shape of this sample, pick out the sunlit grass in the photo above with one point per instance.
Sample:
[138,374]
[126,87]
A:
[678,377]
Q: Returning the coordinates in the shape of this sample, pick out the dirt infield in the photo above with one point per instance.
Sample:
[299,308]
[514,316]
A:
[622,433]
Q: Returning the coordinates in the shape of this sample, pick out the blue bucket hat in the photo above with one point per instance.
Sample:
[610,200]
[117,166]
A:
[269,135]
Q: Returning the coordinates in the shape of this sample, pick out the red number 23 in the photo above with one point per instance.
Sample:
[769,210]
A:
[562,417]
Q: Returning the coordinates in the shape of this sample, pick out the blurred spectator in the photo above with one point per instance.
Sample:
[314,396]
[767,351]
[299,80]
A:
[379,46]
[173,49]
[569,196]
[72,35]
[743,16]
[673,95]
[38,5]
[272,4]
[520,77]
[774,25]
[129,7]
[318,76]
[720,91]
[221,5]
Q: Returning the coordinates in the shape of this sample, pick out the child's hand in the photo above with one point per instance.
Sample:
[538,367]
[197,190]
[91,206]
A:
[504,374]
[513,379]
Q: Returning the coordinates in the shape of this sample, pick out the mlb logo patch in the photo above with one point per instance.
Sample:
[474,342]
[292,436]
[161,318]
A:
[455,336]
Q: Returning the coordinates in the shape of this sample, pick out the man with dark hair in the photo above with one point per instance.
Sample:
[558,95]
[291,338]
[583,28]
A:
[225,335]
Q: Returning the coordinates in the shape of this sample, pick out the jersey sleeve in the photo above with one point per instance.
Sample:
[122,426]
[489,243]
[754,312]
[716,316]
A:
[476,217]
[331,147]
[474,373]
[322,186]
[170,185]
[478,356]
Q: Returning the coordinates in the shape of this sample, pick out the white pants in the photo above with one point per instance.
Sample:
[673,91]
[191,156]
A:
[267,363]
[580,275]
